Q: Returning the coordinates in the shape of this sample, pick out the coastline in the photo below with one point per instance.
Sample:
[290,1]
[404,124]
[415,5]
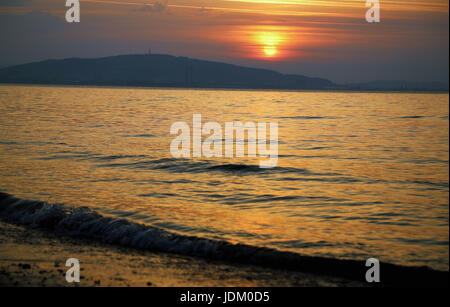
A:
[36,238]
[35,257]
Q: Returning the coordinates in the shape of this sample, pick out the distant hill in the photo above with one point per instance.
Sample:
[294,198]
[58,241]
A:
[159,70]
[155,70]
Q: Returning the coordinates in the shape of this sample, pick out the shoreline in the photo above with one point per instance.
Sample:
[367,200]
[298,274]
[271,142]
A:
[35,257]
[34,230]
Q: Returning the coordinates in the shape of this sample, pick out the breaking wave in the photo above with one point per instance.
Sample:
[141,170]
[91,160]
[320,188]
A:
[86,223]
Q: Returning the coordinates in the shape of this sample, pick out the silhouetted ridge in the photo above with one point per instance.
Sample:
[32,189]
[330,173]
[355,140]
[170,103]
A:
[155,70]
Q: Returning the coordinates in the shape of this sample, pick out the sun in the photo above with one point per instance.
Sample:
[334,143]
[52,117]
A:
[269,43]
[264,43]
[270,51]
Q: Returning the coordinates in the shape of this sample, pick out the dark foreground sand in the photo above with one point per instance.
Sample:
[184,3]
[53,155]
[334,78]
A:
[33,257]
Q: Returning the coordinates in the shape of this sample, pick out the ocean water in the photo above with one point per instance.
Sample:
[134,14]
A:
[359,175]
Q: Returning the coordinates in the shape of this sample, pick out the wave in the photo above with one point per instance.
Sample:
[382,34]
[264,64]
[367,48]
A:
[181,165]
[86,223]
[309,117]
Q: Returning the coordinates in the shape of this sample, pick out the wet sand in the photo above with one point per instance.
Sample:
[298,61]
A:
[34,257]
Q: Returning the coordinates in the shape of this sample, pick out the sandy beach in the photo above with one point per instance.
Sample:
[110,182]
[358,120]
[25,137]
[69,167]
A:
[33,257]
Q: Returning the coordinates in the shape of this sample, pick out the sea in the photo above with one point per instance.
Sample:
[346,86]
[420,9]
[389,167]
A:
[359,175]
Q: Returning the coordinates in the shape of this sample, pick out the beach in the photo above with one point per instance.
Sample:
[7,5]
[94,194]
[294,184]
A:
[38,238]
[33,257]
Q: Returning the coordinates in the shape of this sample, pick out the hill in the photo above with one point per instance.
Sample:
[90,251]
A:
[155,70]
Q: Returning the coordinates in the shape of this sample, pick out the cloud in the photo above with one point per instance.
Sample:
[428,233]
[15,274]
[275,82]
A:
[158,6]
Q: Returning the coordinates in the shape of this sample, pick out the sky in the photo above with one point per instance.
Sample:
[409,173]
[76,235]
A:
[318,38]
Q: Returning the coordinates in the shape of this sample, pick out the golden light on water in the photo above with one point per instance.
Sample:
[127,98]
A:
[345,176]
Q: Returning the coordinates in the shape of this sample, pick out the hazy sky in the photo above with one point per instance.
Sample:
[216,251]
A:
[323,38]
